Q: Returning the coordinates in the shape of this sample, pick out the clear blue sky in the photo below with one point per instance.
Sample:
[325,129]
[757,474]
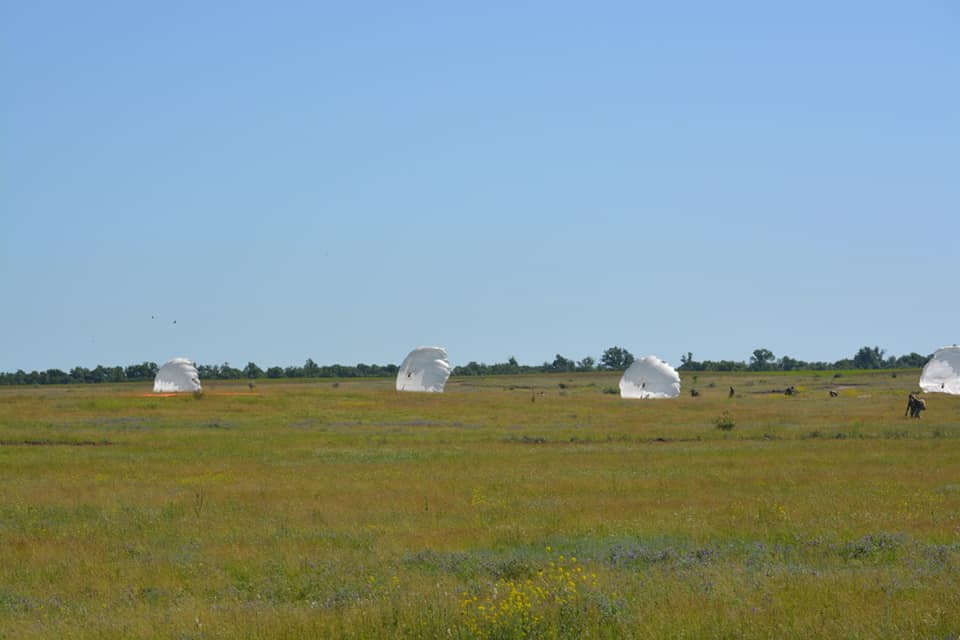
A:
[346,181]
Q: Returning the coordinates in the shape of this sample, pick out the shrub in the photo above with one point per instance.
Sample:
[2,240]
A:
[724,421]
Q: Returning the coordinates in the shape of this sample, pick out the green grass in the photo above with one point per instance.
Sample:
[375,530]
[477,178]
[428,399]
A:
[314,510]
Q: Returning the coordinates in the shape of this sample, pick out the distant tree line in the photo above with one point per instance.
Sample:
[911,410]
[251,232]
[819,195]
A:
[613,359]
[310,369]
[765,360]
[511,366]
[148,370]
[618,359]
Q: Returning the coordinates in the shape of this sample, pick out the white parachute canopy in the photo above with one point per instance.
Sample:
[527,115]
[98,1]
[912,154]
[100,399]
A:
[177,375]
[942,373]
[650,377]
[424,369]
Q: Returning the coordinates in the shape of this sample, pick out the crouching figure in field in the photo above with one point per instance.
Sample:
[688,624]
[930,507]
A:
[914,406]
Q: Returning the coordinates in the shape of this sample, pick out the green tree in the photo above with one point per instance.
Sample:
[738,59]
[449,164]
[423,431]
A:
[561,364]
[252,371]
[311,369]
[230,373]
[616,358]
[791,364]
[914,360]
[761,359]
[144,371]
[869,358]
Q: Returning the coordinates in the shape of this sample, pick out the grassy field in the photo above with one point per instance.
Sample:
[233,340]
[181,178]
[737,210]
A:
[508,507]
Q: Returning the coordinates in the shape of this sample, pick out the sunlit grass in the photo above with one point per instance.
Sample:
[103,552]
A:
[345,509]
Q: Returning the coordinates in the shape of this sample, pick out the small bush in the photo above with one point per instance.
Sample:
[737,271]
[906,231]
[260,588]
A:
[724,421]
[612,391]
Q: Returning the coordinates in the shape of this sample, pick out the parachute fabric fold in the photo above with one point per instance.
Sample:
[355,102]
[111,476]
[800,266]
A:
[942,373]
[177,375]
[650,377]
[424,369]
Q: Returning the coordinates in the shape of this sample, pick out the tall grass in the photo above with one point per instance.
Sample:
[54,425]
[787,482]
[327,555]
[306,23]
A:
[314,510]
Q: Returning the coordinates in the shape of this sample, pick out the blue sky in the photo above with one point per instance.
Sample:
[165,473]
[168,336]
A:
[348,181]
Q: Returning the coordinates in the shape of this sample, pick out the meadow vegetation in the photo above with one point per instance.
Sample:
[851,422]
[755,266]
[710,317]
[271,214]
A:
[508,507]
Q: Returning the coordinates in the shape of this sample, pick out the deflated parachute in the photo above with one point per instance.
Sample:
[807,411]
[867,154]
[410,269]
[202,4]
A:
[650,377]
[177,375]
[942,373]
[425,369]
